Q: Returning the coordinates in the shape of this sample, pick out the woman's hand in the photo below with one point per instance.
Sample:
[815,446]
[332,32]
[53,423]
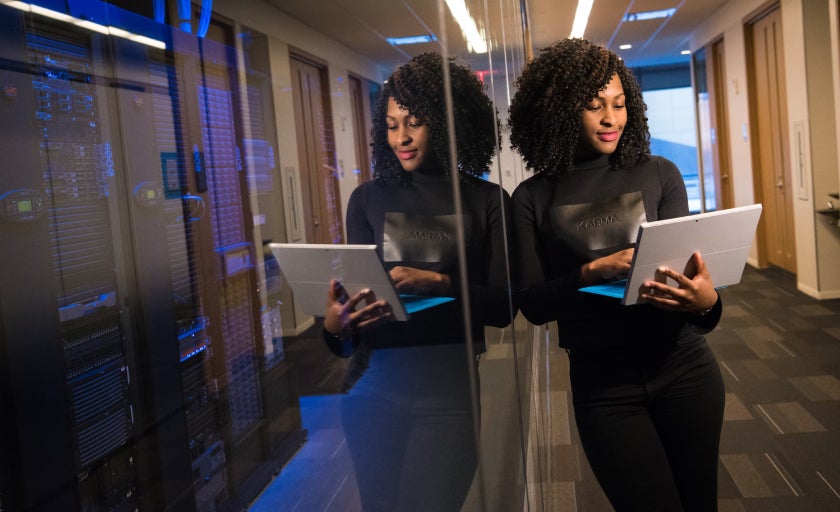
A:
[695,292]
[343,317]
[609,268]
[420,282]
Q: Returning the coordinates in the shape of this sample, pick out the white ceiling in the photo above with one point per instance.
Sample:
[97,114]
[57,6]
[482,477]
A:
[364,25]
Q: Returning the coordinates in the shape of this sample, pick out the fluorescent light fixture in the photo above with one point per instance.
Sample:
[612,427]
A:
[137,38]
[148,41]
[396,41]
[114,31]
[23,6]
[96,27]
[685,52]
[49,13]
[625,46]
[584,7]
[650,15]
[475,42]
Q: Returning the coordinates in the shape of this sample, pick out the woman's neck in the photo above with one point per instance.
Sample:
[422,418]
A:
[592,159]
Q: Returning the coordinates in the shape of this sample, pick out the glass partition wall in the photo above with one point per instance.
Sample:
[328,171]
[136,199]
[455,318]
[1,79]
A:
[154,354]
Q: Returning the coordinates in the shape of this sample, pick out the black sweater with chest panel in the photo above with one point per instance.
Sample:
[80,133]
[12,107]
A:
[414,225]
[564,222]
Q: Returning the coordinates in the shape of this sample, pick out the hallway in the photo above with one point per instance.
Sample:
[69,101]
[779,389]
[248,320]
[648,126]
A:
[779,352]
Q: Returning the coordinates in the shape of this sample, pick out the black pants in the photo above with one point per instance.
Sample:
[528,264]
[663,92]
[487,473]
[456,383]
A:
[650,422]
[410,429]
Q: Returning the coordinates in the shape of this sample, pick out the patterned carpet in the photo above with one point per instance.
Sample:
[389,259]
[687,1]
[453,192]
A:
[779,352]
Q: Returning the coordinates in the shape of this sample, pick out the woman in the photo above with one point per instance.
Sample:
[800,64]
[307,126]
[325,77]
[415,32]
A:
[409,418]
[647,391]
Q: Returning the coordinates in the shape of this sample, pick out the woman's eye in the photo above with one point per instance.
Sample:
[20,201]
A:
[593,108]
[618,106]
[392,128]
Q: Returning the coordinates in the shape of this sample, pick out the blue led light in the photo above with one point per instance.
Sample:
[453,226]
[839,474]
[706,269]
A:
[396,41]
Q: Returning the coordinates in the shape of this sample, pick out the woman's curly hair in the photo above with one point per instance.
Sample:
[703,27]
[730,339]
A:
[552,91]
[418,87]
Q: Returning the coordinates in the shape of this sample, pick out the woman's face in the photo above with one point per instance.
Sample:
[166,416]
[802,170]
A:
[408,137]
[604,118]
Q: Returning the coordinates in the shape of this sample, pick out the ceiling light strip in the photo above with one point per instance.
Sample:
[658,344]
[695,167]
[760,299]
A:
[89,25]
[584,8]
[475,42]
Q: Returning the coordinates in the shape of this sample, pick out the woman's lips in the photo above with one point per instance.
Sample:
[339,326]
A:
[406,155]
[607,136]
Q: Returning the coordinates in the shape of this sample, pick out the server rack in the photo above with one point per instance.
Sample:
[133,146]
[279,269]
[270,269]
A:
[63,326]
[129,306]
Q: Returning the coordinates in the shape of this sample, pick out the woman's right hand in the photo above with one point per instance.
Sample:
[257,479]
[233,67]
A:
[342,316]
[609,268]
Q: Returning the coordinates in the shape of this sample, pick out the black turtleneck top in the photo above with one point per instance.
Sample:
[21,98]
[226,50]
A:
[414,225]
[564,222]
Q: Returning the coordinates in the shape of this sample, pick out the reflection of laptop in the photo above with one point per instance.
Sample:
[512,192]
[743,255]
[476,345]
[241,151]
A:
[722,237]
[309,267]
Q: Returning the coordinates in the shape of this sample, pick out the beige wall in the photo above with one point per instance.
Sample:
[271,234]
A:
[286,33]
[810,104]
[834,25]
[822,88]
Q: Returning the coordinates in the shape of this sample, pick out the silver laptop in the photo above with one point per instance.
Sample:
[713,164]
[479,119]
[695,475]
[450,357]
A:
[309,268]
[722,237]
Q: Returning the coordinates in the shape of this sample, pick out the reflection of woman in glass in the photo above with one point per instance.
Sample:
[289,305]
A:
[409,416]
[647,391]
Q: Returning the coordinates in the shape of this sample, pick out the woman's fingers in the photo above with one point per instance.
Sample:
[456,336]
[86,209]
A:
[364,308]
[374,313]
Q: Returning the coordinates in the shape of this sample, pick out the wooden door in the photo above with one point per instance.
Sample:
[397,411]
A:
[771,166]
[720,140]
[361,128]
[316,152]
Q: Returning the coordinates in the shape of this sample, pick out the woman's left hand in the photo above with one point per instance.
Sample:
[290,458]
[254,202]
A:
[694,293]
